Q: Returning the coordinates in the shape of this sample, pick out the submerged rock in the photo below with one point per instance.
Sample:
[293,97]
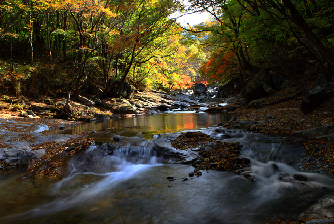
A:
[300,177]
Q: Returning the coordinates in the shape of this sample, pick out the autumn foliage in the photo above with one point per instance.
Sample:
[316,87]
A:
[219,67]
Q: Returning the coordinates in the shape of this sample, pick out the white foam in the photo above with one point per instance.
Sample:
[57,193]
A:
[41,128]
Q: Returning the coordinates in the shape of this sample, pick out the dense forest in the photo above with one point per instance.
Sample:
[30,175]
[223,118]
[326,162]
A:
[60,47]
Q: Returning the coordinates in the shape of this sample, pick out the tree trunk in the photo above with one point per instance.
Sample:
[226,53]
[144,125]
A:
[127,69]
[64,41]
[48,33]
[299,21]
[288,72]
[31,38]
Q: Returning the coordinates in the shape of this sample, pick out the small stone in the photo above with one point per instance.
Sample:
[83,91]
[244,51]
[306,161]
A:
[30,112]
[170,178]
[275,167]
[191,174]
[300,177]
[116,139]
[248,177]
[184,179]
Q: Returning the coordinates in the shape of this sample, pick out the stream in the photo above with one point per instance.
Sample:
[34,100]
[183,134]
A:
[129,185]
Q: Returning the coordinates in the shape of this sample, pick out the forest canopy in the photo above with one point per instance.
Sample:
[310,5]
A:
[58,47]
[74,45]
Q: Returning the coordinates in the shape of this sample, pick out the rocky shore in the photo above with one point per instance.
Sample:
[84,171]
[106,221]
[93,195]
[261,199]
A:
[26,123]
[27,138]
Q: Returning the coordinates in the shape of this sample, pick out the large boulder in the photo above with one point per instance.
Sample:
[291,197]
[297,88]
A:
[268,88]
[260,85]
[253,90]
[324,81]
[273,80]
[199,88]
[314,99]
[231,88]
[95,91]
[86,101]
[125,90]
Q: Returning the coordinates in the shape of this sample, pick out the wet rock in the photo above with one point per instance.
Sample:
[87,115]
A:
[322,130]
[244,123]
[31,113]
[38,153]
[170,178]
[324,81]
[300,177]
[256,103]
[102,117]
[285,84]
[199,88]
[271,117]
[245,161]
[314,99]
[231,88]
[320,221]
[268,88]
[248,177]
[198,173]
[191,174]
[275,167]
[233,119]
[85,101]
[231,108]
[254,88]
[163,107]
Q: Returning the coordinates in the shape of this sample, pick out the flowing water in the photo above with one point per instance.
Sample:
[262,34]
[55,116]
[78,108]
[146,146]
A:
[130,185]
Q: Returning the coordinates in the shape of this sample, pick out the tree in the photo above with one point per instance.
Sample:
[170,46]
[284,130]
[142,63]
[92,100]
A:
[288,10]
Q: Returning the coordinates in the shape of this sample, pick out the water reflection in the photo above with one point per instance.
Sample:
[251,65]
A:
[152,125]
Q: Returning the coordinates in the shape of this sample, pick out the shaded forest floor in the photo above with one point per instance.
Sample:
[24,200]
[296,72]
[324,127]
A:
[315,130]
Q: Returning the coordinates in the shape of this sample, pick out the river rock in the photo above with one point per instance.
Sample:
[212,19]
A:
[320,221]
[95,90]
[86,101]
[248,177]
[300,177]
[231,88]
[170,178]
[324,81]
[314,99]
[163,107]
[24,114]
[256,103]
[102,117]
[268,88]
[318,131]
[38,153]
[31,113]
[254,88]
[285,84]
[199,88]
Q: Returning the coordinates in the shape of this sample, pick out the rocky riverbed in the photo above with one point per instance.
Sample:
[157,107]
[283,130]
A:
[27,139]
[28,122]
